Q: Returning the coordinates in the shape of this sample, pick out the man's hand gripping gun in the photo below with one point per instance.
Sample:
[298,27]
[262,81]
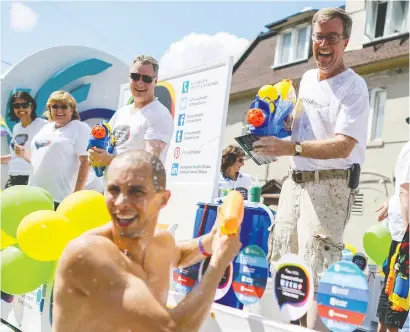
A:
[271,108]
[103,138]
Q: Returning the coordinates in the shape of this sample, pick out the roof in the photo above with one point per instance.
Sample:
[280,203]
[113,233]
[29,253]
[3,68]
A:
[272,32]
[276,24]
[254,70]
[310,12]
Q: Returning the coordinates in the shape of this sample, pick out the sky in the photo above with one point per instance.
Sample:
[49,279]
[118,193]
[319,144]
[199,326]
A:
[179,34]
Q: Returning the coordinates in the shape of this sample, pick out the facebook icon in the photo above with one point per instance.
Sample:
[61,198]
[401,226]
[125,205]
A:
[178,136]
[174,169]
[185,87]
[181,120]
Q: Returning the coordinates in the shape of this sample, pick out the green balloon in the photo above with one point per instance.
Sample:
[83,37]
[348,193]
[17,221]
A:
[376,243]
[21,274]
[19,201]
[44,192]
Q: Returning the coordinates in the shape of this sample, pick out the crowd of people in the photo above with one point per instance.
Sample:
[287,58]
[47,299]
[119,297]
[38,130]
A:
[116,277]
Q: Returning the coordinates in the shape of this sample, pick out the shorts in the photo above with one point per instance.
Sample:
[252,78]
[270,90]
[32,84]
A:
[310,222]
[390,317]
[16,180]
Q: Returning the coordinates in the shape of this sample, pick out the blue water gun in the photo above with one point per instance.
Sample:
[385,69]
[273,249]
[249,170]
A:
[271,108]
[101,137]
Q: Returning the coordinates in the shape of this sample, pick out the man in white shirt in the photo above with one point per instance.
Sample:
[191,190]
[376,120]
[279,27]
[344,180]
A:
[328,138]
[145,124]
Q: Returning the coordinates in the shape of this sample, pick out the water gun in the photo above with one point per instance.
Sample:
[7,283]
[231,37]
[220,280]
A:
[101,137]
[397,285]
[231,212]
[271,107]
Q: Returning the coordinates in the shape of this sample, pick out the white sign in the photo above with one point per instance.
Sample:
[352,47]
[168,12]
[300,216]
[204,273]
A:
[199,103]
[30,312]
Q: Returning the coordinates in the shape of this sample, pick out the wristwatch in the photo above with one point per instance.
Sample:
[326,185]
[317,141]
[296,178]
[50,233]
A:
[298,149]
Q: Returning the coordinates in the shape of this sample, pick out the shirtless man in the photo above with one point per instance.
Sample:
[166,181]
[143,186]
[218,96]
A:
[116,277]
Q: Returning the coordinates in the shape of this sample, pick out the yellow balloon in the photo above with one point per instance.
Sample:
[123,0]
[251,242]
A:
[268,92]
[286,89]
[351,248]
[44,234]
[85,209]
[6,240]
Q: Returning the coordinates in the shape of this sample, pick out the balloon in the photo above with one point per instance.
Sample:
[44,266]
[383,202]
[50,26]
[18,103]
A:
[45,192]
[376,243]
[286,89]
[85,209]
[6,240]
[43,235]
[19,201]
[268,92]
[21,274]
[351,248]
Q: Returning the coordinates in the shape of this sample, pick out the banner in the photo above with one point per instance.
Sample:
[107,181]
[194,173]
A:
[87,74]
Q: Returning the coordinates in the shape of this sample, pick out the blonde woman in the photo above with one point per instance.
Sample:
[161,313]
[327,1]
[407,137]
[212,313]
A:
[59,150]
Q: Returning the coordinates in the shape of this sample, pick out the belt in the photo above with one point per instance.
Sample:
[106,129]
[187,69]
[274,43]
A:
[310,176]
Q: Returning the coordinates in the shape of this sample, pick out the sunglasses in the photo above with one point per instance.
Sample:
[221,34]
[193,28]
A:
[145,78]
[59,106]
[21,105]
[241,160]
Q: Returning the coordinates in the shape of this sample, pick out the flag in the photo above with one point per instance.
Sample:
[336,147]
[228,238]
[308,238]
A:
[4,129]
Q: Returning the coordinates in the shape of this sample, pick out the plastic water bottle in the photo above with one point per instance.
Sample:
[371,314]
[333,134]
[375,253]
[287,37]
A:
[255,192]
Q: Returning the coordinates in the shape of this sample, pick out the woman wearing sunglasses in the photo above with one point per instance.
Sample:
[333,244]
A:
[22,109]
[59,150]
[231,177]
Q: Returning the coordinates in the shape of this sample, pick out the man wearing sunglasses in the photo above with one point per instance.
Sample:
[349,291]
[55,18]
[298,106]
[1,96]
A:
[327,147]
[146,123]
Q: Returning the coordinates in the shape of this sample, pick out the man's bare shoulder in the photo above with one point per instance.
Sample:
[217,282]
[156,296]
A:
[165,243]
[164,237]
[89,254]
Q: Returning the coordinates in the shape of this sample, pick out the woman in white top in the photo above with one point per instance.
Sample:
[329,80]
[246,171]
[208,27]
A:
[231,177]
[22,108]
[59,150]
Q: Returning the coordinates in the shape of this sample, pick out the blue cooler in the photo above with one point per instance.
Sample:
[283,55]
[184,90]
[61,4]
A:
[254,231]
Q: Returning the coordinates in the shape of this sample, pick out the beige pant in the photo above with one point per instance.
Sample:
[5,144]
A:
[310,222]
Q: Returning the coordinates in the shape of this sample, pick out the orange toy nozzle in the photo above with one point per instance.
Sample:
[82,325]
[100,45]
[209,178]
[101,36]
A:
[256,117]
[98,131]
[231,212]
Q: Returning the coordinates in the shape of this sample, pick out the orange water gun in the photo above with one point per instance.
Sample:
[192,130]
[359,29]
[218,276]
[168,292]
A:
[231,213]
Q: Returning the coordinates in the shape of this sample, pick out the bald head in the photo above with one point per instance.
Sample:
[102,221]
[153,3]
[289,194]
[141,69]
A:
[143,164]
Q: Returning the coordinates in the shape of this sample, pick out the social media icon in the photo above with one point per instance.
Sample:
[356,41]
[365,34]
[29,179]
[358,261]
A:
[181,120]
[178,136]
[183,104]
[185,87]
[174,169]
[177,153]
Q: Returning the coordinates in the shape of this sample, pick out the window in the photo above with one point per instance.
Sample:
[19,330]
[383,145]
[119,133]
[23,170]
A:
[376,119]
[292,45]
[385,18]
